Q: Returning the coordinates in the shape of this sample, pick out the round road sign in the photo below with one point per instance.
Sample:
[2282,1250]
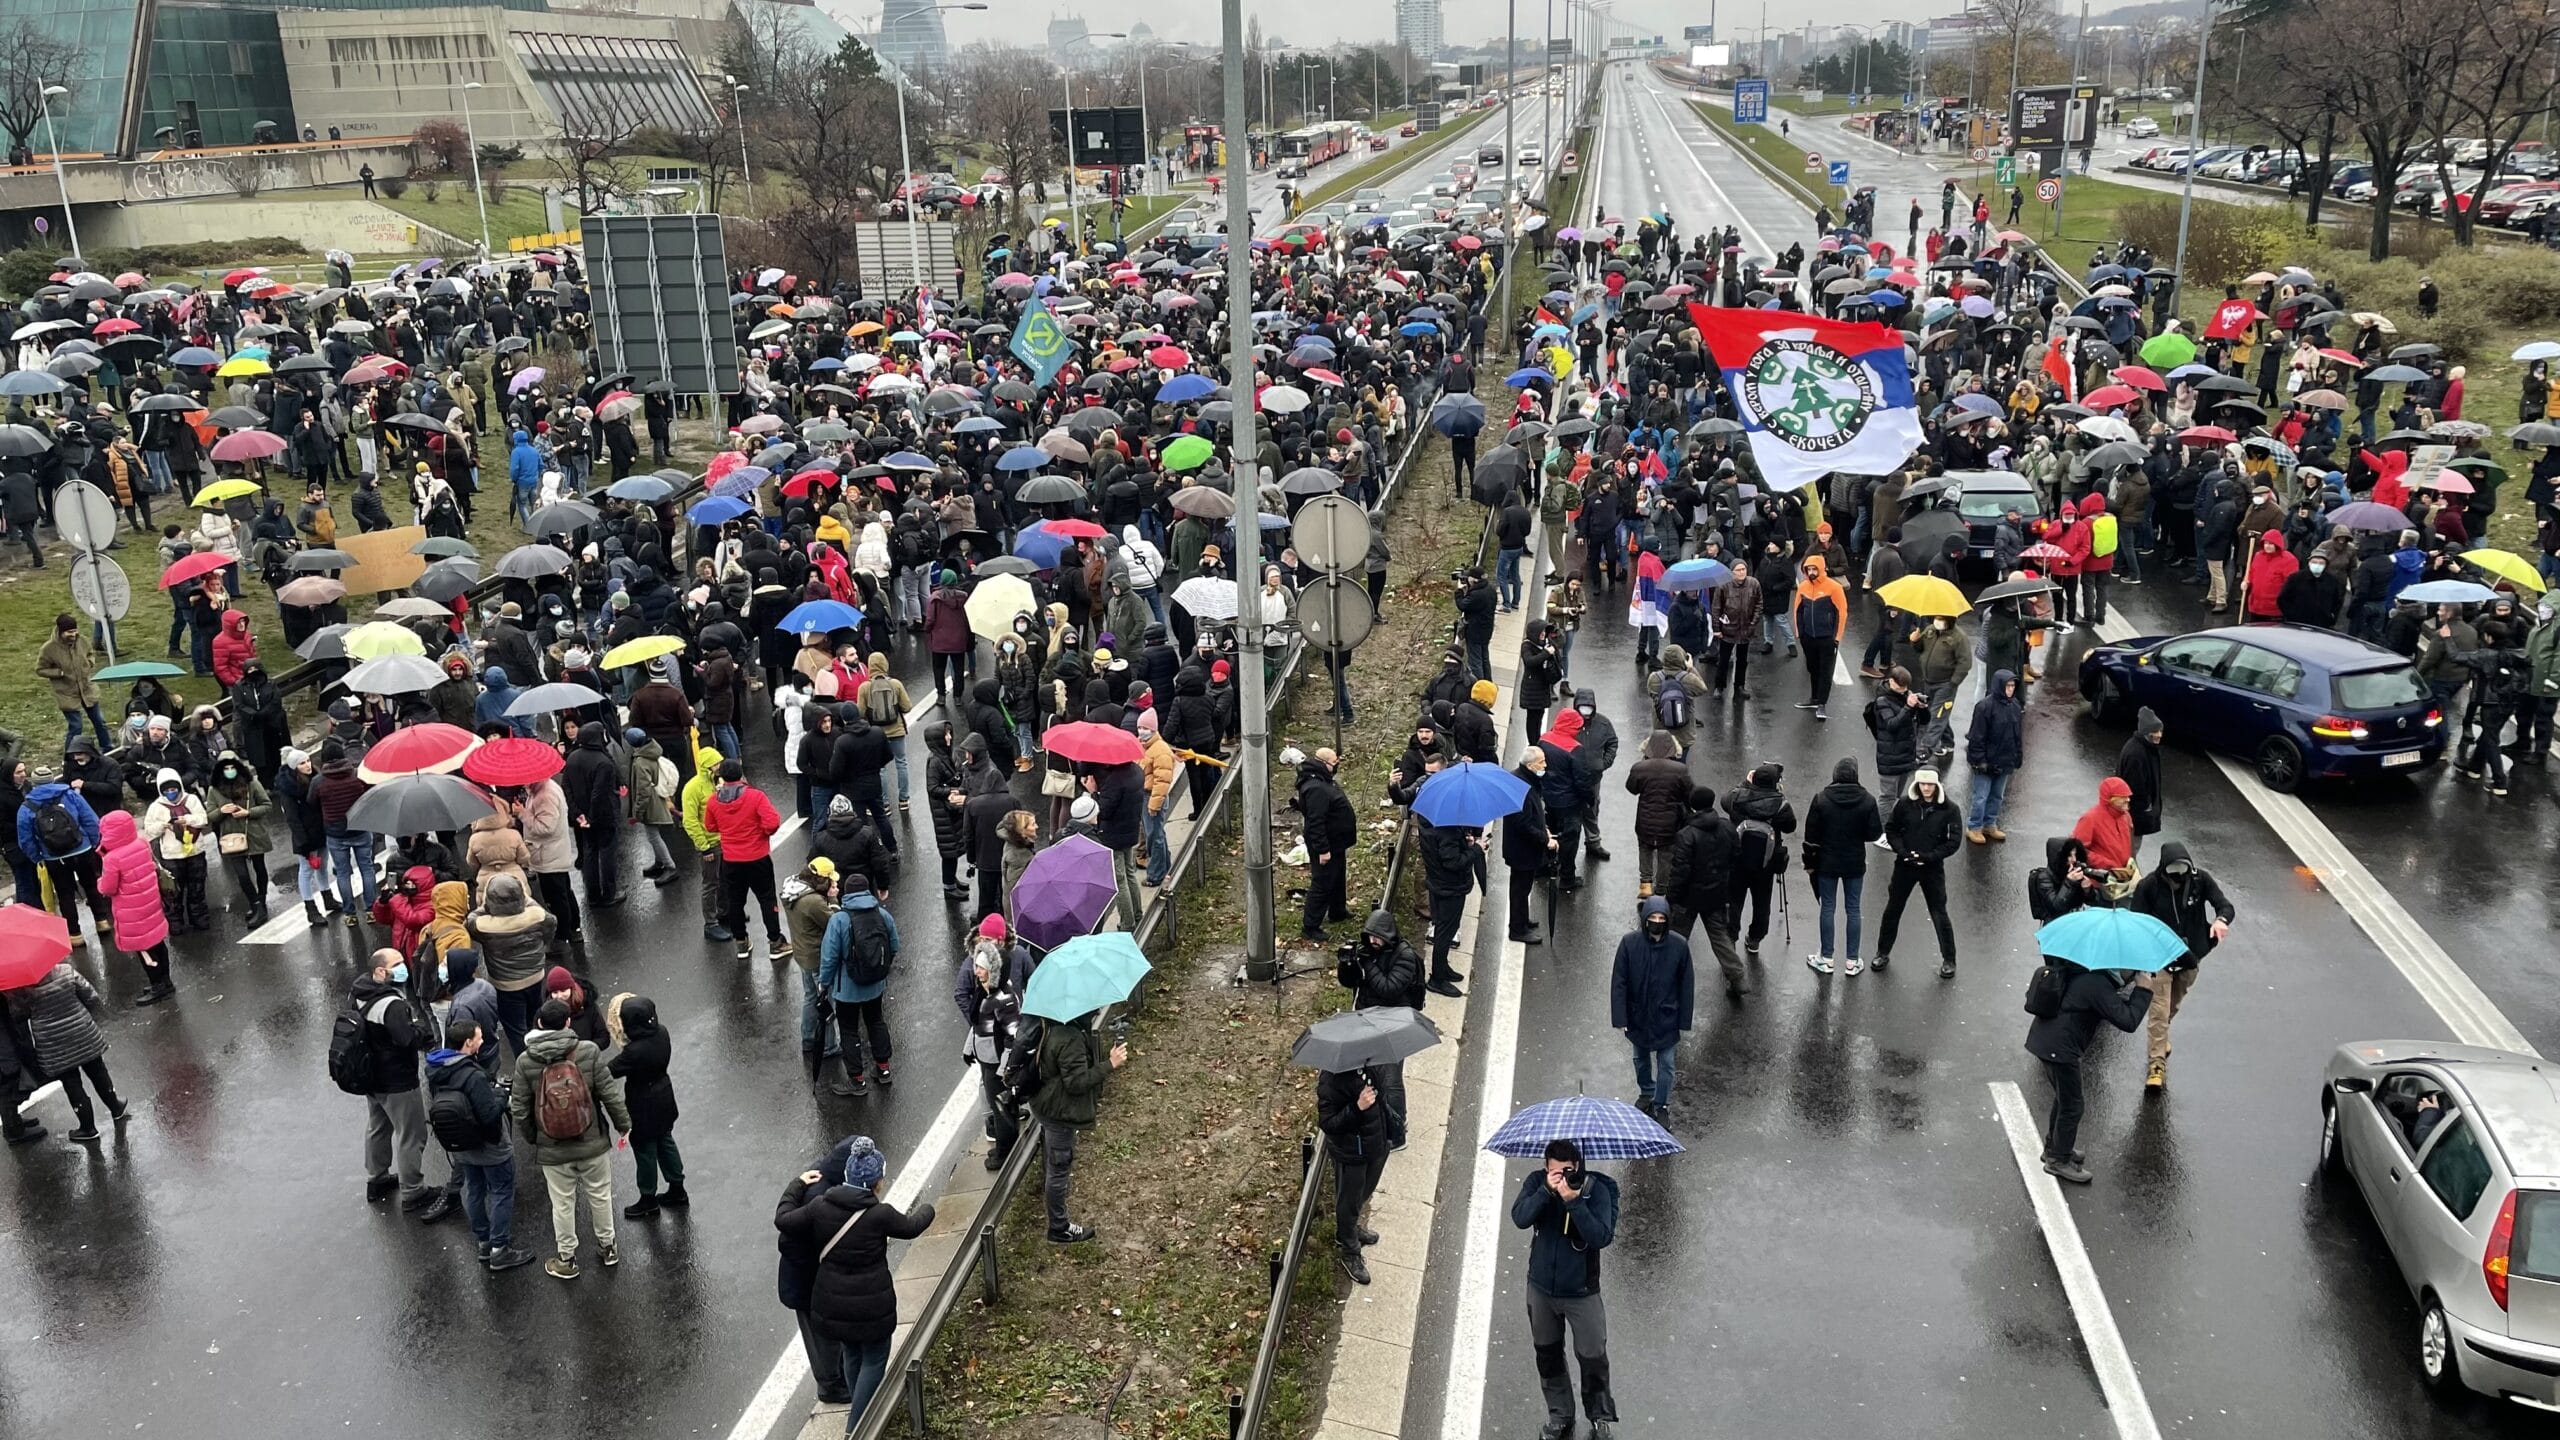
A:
[84,514]
[1331,534]
[1334,613]
[2049,190]
[98,586]
[1813,162]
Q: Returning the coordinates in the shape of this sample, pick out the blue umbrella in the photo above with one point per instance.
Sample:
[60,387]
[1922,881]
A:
[1528,375]
[1424,312]
[1038,546]
[817,617]
[1083,975]
[2448,592]
[978,425]
[1604,1129]
[1306,357]
[2191,372]
[1183,389]
[908,460]
[1700,575]
[1457,414]
[718,510]
[826,362]
[1975,402]
[2106,939]
[1472,793]
[194,355]
[646,489]
[1021,458]
[1586,312]
[1885,299]
[1548,329]
[741,482]
[1418,328]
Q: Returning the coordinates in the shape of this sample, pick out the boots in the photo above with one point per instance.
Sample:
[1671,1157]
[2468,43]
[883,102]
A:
[673,1197]
[311,912]
[852,1084]
[641,1209]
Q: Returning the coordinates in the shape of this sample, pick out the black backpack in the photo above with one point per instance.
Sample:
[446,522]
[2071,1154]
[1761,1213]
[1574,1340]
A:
[350,1051]
[59,829]
[2044,991]
[449,1117]
[868,957]
[1019,1071]
[1755,847]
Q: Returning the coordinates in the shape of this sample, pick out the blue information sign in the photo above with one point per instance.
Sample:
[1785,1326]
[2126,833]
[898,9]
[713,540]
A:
[1750,102]
[1839,172]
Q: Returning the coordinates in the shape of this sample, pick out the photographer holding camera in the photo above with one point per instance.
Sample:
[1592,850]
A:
[1571,1214]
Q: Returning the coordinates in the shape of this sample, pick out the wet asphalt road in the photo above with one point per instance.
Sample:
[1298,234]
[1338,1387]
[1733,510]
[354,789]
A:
[1848,1238]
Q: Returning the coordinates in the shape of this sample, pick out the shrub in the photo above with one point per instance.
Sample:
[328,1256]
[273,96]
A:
[2413,239]
[395,186]
[433,190]
[443,146]
[2224,242]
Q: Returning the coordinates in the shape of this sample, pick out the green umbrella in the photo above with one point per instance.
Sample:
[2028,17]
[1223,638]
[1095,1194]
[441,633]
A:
[2475,466]
[2168,352]
[138,670]
[1187,452]
[1083,975]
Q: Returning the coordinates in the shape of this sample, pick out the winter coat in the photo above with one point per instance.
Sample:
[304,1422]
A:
[408,907]
[648,802]
[451,1070]
[1566,1239]
[1699,877]
[545,821]
[233,648]
[1329,823]
[544,1049]
[591,784]
[1895,722]
[851,1296]
[1839,825]
[1387,973]
[1923,831]
[496,848]
[61,1013]
[2189,908]
[128,877]
[66,665]
[2050,891]
[943,779]
[2088,997]
[743,821]
[1350,1133]
[1753,800]
[1652,985]
[180,831]
[1660,782]
[31,842]
[641,1065]
[252,822]
[836,955]
[1074,1063]
[852,844]
[394,1039]
[512,934]
[1995,741]
[2138,766]
[1525,831]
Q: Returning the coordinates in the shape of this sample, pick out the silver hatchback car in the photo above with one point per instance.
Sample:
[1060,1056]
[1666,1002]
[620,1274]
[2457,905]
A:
[2457,1151]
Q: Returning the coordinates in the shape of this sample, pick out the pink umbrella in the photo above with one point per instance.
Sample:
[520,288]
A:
[1324,375]
[249,445]
[2446,482]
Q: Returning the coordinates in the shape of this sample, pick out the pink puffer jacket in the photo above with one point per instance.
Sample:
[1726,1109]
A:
[127,876]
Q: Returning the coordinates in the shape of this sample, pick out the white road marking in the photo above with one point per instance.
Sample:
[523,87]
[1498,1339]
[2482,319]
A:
[2459,1001]
[2117,1379]
[763,1414]
[1471,1332]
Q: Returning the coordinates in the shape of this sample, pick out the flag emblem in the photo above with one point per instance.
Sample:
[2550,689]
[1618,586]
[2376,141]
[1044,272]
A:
[1807,394]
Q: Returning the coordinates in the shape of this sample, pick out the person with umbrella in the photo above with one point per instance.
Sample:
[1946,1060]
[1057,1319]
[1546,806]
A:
[1073,1064]
[2069,999]
[1571,1215]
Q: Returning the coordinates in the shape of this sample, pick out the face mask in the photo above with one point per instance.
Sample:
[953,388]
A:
[2318,566]
[2177,872]
[399,974]
[171,794]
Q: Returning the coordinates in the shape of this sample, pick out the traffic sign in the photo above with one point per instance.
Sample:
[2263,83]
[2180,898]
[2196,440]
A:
[84,515]
[2049,189]
[1906,99]
[1813,162]
[1751,102]
[1981,153]
[1840,172]
[1331,534]
[99,587]
[1334,613]
[2003,170]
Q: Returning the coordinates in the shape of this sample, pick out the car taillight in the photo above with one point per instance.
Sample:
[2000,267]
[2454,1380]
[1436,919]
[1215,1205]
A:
[2434,718]
[2339,727]
[2493,1261]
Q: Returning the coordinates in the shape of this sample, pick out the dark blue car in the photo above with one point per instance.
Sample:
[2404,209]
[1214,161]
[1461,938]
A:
[2298,702]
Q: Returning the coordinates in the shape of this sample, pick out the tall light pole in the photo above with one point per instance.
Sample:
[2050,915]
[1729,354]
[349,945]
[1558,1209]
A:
[906,157]
[1548,98]
[44,102]
[1510,210]
[738,108]
[1146,126]
[479,192]
[2195,147]
[1254,761]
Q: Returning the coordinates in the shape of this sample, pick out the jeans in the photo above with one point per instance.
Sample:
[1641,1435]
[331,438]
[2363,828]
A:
[1650,1064]
[898,753]
[71,728]
[1781,625]
[915,587]
[863,1365]
[1480,658]
[352,853]
[570,1182]
[1506,578]
[489,1201]
[723,738]
[2062,1122]
[1850,889]
[1057,1161]
[1990,792]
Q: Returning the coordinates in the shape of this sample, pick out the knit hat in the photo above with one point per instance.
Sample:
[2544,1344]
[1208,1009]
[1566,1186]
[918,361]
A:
[1482,692]
[863,1163]
[842,804]
[293,757]
[1083,809]
[992,927]
[635,737]
[948,576]
[575,658]
[1219,670]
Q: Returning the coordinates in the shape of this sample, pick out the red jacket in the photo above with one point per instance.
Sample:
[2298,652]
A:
[408,914]
[743,819]
[2388,488]
[2091,562]
[234,648]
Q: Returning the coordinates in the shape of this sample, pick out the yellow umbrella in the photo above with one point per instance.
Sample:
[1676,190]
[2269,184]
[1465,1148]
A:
[1924,595]
[996,601]
[647,647]
[244,365]
[2506,565]
[377,638]
[221,490]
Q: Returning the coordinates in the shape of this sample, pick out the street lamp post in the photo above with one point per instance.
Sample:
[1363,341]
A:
[471,137]
[906,157]
[746,172]
[44,102]
[2195,147]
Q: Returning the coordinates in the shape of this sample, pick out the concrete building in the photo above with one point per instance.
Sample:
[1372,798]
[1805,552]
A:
[1955,32]
[911,36]
[1070,41]
[1418,28]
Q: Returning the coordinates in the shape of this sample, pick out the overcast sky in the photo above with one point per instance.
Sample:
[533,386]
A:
[1317,23]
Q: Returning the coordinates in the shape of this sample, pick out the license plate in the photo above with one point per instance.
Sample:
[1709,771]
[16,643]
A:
[2405,757]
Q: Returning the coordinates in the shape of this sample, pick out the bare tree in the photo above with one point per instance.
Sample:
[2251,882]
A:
[2499,80]
[2293,89]
[592,153]
[829,122]
[712,151]
[34,58]
[1006,110]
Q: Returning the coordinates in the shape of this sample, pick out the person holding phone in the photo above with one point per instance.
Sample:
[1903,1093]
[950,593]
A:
[1571,1214]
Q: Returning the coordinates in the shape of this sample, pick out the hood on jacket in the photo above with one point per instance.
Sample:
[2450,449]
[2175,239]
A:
[591,736]
[1566,732]
[2059,851]
[550,1047]
[1586,702]
[2000,680]
[2171,853]
[639,1016]
[495,677]
[166,778]
[235,621]
[2092,505]
[1381,925]
[987,693]
[452,898]
[706,761]
[421,880]
[461,964]
[1654,905]
[1660,746]
[2112,788]
[504,895]
[117,830]
[1845,772]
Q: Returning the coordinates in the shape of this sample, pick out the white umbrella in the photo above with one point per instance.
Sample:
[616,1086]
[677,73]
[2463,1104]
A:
[998,599]
[2107,427]
[1207,597]
[1286,400]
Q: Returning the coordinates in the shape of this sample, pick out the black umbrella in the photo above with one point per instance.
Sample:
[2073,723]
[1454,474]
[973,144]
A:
[312,562]
[326,643]
[2014,590]
[532,562]
[1357,1039]
[1575,428]
[420,804]
[2226,385]
[445,581]
[1499,469]
[413,420]
[561,517]
[1050,490]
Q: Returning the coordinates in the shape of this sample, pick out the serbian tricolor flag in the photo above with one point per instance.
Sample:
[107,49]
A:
[1547,317]
[2059,369]
[1647,604]
[1815,397]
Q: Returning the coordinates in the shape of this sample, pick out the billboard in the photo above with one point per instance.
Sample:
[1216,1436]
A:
[1470,75]
[2053,117]
[1559,46]
[1105,134]
[1698,34]
[659,286]
[1426,116]
[1710,57]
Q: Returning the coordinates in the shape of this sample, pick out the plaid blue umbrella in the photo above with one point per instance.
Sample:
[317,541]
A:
[2105,939]
[1473,793]
[741,482]
[1604,1129]
[817,617]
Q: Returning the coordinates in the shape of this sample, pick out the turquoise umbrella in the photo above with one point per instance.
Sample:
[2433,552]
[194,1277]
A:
[138,669]
[1083,975]
[2110,940]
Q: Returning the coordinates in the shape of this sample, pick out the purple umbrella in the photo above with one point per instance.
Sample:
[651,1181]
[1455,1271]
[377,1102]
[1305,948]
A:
[1976,306]
[2366,515]
[1064,892]
[525,379]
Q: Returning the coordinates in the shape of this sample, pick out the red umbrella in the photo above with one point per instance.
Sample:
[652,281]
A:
[1076,529]
[2206,435]
[1467,242]
[2232,319]
[801,483]
[131,280]
[2107,395]
[193,567]
[2044,551]
[249,445]
[1092,744]
[419,749]
[1171,357]
[513,761]
[236,276]
[1121,364]
[1319,373]
[2343,357]
[2139,378]
[117,326]
[32,942]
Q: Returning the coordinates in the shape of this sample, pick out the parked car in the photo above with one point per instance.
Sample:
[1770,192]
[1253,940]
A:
[2302,703]
[2420,192]
[1982,496]
[2498,207]
[2532,214]
[2346,174]
[2141,127]
[2166,157]
[2456,1150]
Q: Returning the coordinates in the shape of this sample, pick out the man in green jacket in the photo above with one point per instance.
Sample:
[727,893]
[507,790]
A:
[1073,1065]
[573,1165]
[65,664]
[2542,692]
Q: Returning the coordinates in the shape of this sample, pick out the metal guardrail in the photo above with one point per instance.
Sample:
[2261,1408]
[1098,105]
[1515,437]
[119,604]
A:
[1245,1407]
